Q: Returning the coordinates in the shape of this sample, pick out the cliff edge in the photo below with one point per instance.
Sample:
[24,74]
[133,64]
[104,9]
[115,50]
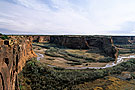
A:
[14,52]
[100,44]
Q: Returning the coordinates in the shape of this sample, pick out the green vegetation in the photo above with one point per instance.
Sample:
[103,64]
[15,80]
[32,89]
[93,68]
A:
[46,45]
[55,52]
[126,48]
[4,37]
[78,59]
[133,75]
[126,51]
[106,59]
[38,76]
[74,63]
[39,48]
[50,58]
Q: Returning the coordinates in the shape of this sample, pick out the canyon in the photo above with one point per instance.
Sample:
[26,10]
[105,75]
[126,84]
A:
[17,50]
[123,39]
[101,44]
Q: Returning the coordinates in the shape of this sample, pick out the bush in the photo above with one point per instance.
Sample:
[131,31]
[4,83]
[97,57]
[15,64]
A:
[133,75]
[75,63]
[4,37]
[39,76]
[50,58]
[55,52]
[106,59]
[39,48]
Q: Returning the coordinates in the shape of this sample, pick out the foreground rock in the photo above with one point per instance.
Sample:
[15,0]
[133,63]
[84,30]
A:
[14,53]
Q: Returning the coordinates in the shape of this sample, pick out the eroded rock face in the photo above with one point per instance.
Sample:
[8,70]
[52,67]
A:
[123,39]
[13,55]
[101,43]
[40,38]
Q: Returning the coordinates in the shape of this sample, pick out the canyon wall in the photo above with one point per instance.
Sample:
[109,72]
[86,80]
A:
[14,52]
[123,39]
[116,39]
[40,38]
[102,44]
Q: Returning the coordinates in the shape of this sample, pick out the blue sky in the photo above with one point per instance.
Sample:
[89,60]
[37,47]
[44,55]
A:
[88,17]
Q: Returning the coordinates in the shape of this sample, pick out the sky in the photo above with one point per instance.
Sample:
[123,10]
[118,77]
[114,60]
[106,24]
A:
[67,17]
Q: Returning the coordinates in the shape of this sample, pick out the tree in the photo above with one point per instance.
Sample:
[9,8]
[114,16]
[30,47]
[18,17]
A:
[4,37]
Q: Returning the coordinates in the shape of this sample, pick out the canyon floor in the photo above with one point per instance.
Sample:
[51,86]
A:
[51,71]
[57,58]
[54,55]
[67,63]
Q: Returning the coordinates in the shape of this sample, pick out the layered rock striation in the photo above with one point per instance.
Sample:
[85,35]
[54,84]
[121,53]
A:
[100,44]
[40,38]
[123,39]
[14,53]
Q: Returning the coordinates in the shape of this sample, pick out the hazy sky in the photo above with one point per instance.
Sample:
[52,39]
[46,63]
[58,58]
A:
[68,17]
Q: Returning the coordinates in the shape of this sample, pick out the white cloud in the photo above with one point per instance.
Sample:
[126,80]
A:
[66,16]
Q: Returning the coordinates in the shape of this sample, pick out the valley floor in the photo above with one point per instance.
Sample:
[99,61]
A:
[65,58]
[50,70]
[75,58]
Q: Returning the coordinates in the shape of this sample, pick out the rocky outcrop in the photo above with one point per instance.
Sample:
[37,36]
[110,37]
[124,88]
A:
[40,38]
[123,39]
[14,53]
[101,43]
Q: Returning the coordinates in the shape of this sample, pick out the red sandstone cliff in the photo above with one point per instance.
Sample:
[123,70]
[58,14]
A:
[14,53]
[40,38]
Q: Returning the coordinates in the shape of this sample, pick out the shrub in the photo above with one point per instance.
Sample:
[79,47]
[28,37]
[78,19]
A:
[50,58]
[106,59]
[75,63]
[38,75]
[5,37]
[56,52]
[39,48]
[133,75]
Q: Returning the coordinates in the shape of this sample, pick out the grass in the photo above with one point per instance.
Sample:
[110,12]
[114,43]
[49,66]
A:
[70,57]
[50,58]
[84,54]
[126,48]
[76,55]
[106,83]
